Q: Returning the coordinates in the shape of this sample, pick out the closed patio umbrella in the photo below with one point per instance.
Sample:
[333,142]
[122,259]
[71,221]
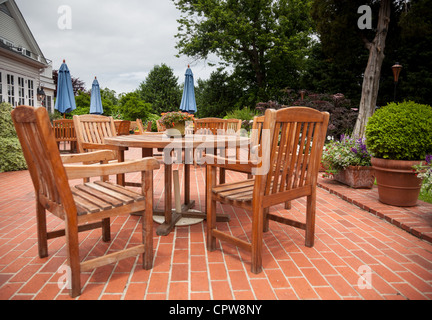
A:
[65,102]
[188,103]
[95,100]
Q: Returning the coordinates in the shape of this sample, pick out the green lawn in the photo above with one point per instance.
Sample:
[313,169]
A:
[425,196]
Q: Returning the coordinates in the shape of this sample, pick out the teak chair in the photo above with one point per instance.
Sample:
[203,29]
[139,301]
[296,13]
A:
[290,147]
[91,131]
[160,127]
[64,131]
[123,128]
[86,206]
[232,126]
[209,126]
[141,126]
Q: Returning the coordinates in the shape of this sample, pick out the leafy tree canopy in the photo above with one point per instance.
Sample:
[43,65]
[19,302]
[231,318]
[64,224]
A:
[161,89]
[265,41]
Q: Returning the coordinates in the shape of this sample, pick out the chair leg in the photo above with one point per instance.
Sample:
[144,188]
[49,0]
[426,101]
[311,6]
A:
[106,230]
[266,219]
[73,258]
[41,230]
[147,220]
[210,208]
[257,236]
[310,220]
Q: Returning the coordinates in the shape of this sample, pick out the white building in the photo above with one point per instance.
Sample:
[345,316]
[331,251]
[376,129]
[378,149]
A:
[24,70]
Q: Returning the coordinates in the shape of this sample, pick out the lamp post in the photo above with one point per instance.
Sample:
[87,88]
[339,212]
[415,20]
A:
[41,96]
[302,94]
[396,72]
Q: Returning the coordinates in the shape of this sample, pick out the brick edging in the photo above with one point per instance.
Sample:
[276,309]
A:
[395,222]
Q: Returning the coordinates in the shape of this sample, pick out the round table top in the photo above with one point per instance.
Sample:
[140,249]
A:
[161,140]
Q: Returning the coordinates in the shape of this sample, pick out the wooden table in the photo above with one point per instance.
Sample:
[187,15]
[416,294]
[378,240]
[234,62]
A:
[148,141]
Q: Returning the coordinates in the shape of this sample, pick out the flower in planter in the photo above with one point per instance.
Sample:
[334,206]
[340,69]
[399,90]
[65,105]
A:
[348,151]
[170,119]
[424,171]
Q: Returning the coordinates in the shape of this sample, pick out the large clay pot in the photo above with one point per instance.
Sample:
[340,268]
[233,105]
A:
[356,177]
[397,182]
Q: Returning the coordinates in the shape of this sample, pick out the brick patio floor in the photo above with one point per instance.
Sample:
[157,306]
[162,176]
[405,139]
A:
[357,238]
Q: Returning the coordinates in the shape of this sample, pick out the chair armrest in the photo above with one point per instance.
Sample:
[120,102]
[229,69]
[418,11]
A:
[87,171]
[96,156]
[231,164]
[90,146]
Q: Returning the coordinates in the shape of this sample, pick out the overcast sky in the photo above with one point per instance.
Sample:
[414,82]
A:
[118,41]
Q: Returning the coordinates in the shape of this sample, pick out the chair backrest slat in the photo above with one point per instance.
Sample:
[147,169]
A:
[297,140]
[42,155]
[209,126]
[93,129]
[232,126]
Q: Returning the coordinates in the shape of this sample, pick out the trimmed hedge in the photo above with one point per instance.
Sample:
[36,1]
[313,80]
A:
[400,131]
[11,156]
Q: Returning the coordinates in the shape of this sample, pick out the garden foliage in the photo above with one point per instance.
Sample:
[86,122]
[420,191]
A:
[348,151]
[400,131]
[11,156]
[343,114]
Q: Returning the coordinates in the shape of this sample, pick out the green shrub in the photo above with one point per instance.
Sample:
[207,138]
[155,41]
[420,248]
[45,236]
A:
[11,156]
[245,114]
[400,131]
[153,118]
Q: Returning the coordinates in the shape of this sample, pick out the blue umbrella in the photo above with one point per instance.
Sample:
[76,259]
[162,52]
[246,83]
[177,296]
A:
[96,101]
[65,102]
[188,103]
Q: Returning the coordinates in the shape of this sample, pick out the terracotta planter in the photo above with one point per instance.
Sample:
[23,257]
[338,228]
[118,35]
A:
[398,185]
[356,177]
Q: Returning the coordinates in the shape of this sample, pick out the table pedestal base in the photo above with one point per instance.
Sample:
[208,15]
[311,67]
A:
[186,213]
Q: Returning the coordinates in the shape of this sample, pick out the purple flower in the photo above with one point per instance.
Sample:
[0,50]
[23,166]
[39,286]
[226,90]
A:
[354,150]
[429,159]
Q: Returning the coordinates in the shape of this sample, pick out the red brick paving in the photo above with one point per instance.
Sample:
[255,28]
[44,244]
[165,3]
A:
[391,244]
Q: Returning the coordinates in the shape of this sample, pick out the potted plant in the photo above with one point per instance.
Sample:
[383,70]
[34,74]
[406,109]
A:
[399,136]
[175,122]
[348,161]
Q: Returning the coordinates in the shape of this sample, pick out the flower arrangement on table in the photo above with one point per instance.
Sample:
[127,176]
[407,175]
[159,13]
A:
[171,119]
[424,171]
[175,122]
[348,151]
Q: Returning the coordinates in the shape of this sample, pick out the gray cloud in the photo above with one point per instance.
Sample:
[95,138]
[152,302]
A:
[117,41]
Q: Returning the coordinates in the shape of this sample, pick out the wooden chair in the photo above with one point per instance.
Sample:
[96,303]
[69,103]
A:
[64,131]
[232,126]
[124,128]
[86,206]
[91,131]
[160,127]
[291,147]
[208,125]
[141,126]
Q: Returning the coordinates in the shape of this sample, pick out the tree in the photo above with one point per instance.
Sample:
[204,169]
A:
[132,107]
[77,84]
[217,95]
[161,89]
[371,79]
[345,41]
[264,40]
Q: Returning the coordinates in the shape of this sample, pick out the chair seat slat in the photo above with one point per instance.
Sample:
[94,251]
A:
[84,206]
[125,199]
[99,198]
[129,193]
